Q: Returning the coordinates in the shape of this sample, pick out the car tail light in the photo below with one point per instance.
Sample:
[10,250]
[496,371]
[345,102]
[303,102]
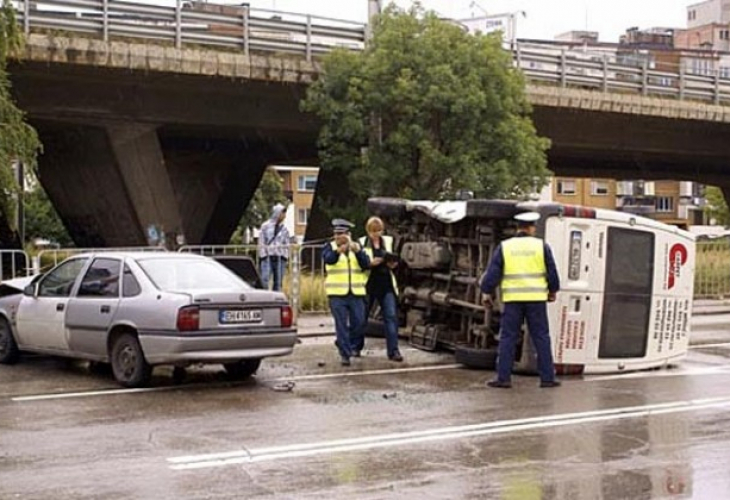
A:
[188,319]
[286,316]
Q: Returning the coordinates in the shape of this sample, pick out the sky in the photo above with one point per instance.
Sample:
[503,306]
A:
[544,18]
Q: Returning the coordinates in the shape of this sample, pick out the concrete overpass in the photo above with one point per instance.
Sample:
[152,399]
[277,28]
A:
[137,133]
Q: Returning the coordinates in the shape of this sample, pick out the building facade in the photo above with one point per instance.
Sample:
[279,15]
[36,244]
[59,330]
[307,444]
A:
[673,202]
[300,184]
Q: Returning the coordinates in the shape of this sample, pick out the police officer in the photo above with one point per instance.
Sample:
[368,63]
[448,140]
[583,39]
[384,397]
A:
[345,264]
[524,268]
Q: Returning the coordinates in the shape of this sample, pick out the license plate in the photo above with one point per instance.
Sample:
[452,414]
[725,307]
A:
[239,316]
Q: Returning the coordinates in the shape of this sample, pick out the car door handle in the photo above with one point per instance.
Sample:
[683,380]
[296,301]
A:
[59,307]
[105,309]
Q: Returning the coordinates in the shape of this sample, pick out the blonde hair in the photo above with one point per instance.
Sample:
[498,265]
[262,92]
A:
[374,224]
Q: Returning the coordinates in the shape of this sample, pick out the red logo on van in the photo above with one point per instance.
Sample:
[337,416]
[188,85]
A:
[677,258]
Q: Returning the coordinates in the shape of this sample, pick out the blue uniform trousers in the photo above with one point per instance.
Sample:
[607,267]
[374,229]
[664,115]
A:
[513,316]
[348,312]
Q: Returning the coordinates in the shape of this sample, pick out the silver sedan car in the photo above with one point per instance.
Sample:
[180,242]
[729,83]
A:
[135,310]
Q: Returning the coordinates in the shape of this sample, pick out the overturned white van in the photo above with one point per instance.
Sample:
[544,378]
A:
[626,282]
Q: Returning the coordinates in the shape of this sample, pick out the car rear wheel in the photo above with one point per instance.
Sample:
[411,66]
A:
[242,369]
[128,363]
[9,353]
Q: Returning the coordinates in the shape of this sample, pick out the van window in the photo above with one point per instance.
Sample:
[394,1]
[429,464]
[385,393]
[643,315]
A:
[627,298]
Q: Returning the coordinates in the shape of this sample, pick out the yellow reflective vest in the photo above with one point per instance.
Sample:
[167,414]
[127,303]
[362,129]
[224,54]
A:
[524,277]
[388,245]
[345,276]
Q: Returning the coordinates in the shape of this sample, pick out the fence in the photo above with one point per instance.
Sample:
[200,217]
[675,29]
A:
[244,29]
[304,280]
[712,269]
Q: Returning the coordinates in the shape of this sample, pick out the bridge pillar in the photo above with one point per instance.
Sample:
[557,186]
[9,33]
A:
[81,175]
[110,182]
[146,179]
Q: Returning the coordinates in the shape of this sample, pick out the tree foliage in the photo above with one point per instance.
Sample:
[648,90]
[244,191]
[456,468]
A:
[439,110]
[42,220]
[18,140]
[269,193]
[716,208]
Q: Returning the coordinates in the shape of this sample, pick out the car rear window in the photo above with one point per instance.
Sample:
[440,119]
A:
[173,275]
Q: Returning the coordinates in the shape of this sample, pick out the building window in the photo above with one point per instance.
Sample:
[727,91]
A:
[302,216]
[599,188]
[664,204]
[566,186]
[307,182]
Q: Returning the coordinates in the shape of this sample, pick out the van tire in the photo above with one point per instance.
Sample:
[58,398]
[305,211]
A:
[390,208]
[478,359]
[493,209]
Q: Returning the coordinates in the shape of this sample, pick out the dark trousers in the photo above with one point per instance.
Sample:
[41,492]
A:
[389,309]
[513,316]
[348,312]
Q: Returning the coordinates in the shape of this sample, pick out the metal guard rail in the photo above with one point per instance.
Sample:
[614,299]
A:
[247,29]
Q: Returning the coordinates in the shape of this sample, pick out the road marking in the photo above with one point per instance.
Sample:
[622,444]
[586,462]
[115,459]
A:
[705,346]
[439,434]
[366,372]
[114,392]
[663,373]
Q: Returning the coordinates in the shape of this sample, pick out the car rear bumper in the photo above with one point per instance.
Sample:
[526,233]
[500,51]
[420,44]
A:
[213,347]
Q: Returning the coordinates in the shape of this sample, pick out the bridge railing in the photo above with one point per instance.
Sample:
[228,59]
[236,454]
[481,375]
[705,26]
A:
[602,71]
[194,22]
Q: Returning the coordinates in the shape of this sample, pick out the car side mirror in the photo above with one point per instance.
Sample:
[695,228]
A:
[29,291]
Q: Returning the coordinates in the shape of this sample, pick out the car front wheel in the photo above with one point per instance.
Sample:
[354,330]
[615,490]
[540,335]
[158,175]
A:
[9,353]
[242,369]
[128,363]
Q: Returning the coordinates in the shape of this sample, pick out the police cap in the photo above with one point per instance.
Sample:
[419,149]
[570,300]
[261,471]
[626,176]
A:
[527,218]
[341,225]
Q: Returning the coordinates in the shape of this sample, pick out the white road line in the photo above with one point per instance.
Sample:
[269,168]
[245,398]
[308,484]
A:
[114,392]
[706,346]
[663,373]
[366,372]
[440,434]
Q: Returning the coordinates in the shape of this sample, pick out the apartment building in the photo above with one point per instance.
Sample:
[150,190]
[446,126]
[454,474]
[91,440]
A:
[300,184]
[673,202]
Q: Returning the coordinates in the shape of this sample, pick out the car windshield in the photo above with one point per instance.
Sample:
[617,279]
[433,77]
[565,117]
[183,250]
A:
[173,275]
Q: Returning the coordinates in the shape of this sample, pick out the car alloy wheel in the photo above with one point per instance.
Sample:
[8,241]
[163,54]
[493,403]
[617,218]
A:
[128,363]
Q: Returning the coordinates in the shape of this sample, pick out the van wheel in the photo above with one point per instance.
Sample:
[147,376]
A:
[394,208]
[241,370]
[497,209]
[9,353]
[128,363]
[479,359]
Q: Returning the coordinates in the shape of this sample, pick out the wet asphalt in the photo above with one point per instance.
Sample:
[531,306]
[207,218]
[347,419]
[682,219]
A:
[307,428]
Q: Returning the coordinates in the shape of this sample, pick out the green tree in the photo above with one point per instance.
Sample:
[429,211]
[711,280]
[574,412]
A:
[716,207]
[19,140]
[41,219]
[269,193]
[424,111]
